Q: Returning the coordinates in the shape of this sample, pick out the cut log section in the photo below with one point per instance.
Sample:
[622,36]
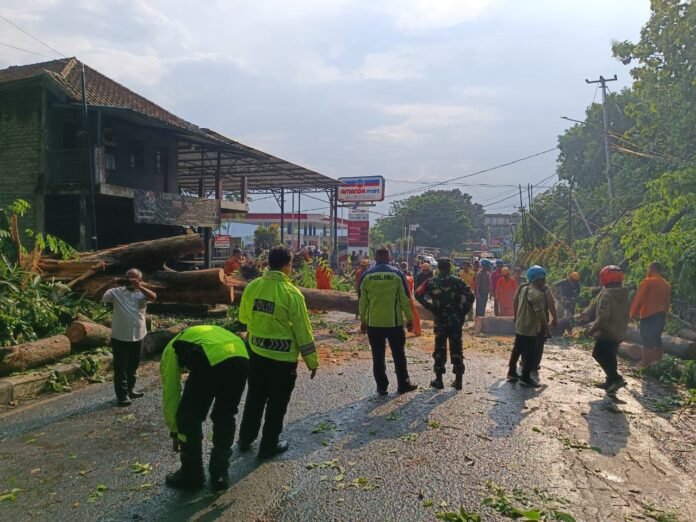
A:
[148,254]
[631,351]
[321,299]
[31,355]
[84,335]
[156,341]
[676,346]
[687,333]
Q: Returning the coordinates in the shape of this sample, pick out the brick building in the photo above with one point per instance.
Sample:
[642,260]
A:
[126,151]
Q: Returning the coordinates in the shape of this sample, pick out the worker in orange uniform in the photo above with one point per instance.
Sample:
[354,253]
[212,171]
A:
[234,262]
[416,318]
[651,304]
[324,275]
[504,292]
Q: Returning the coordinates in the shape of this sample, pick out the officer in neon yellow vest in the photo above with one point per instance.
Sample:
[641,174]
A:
[279,333]
[218,364]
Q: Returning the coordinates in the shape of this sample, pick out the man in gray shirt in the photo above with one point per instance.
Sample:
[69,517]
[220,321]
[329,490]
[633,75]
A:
[127,331]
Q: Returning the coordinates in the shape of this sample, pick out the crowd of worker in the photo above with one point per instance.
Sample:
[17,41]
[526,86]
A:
[222,364]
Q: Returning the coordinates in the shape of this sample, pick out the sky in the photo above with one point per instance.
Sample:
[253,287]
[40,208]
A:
[418,91]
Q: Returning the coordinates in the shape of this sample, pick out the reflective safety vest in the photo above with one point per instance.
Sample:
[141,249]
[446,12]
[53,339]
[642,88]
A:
[384,297]
[209,345]
[277,320]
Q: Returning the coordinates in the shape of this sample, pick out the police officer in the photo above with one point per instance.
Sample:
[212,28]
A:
[276,316]
[450,300]
[384,302]
[218,364]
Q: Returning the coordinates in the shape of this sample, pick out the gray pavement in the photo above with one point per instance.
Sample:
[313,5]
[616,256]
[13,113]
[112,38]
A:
[371,458]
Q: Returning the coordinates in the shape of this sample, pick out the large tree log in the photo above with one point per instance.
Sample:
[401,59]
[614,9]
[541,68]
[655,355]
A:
[687,333]
[155,342]
[322,299]
[148,254]
[676,346]
[87,334]
[36,353]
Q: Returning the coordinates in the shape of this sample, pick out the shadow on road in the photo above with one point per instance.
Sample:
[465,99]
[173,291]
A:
[509,408]
[608,427]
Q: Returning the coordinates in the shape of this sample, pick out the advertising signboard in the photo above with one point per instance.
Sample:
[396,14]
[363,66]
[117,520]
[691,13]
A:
[365,189]
[162,208]
[358,228]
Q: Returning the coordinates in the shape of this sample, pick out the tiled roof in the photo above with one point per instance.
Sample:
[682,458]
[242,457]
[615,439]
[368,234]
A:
[101,90]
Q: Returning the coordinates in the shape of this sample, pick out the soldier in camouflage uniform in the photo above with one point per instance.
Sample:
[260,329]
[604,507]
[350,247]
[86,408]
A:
[450,300]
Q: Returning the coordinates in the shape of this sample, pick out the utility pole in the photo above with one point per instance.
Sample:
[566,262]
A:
[570,212]
[607,152]
[524,224]
[529,201]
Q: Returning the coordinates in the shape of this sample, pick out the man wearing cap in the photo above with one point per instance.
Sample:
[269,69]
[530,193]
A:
[568,291]
[504,291]
[530,322]
[449,299]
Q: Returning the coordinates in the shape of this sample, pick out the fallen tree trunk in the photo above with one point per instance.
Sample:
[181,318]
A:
[631,351]
[687,333]
[144,255]
[676,346]
[36,353]
[87,334]
[321,299]
[148,254]
[156,341]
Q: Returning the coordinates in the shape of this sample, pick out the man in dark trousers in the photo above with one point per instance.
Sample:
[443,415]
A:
[450,300]
[384,302]
[279,332]
[483,287]
[128,329]
[218,363]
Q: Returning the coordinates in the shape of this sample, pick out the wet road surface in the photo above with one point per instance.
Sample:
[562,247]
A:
[356,456]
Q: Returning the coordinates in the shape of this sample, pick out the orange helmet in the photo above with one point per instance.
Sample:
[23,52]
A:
[610,274]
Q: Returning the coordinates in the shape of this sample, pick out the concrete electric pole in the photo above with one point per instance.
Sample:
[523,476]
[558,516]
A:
[607,152]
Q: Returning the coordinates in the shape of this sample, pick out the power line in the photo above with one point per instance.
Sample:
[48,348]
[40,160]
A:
[25,50]
[32,36]
[444,182]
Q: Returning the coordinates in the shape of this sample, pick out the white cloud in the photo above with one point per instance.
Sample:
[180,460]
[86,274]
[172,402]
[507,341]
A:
[398,64]
[420,15]
[424,121]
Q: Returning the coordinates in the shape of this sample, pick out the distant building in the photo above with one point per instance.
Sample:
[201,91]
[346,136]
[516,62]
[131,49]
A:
[314,229]
[501,228]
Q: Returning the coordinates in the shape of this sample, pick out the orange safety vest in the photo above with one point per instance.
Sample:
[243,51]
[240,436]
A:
[504,292]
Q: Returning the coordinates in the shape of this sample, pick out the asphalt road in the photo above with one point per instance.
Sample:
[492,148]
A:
[356,456]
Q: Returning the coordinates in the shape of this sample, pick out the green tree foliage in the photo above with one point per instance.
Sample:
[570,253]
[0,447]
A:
[446,219]
[266,238]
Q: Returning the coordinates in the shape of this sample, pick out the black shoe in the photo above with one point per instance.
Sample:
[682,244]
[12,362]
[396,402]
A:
[512,377]
[616,386]
[220,482]
[243,446]
[123,401]
[528,382]
[183,480]
[135,394]
[382,391]
[408,387]
[281,447]
[457,382]
[602,385]
[437,383]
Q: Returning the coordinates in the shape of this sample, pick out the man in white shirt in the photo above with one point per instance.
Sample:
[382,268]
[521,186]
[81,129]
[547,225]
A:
[127,331]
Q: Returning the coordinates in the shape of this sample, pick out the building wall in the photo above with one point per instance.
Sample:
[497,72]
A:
[21,164]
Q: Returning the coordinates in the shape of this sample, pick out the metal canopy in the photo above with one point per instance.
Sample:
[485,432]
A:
[199,164]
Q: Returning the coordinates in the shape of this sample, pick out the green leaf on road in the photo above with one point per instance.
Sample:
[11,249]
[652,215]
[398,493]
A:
[141,468]
[9,495]
[97,493]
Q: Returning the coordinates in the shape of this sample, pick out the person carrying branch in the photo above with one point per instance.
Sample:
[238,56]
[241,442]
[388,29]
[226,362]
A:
[128,329]
[449,299]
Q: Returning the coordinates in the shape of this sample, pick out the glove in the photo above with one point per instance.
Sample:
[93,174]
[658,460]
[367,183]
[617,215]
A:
[363,327]
[409,326]
[176,445]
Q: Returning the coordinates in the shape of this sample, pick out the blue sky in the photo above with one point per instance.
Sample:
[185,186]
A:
[414,90]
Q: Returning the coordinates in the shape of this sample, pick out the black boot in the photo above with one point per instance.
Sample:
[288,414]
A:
[437,382]
[457,383]
[219,463]
[281,447]
[190,475]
